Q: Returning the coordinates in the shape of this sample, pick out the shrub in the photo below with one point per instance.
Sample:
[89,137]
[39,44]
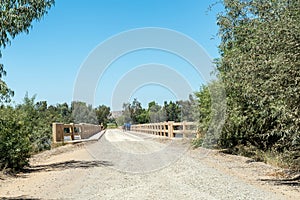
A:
[14,141]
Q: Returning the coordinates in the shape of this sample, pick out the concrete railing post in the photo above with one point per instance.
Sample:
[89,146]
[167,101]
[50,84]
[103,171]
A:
[170,129]
[184,129]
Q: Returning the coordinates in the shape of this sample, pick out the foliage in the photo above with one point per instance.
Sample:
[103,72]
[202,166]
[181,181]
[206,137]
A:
[27,128]
[37,119]
[138,114]
[5,92]
[16,16]
[212,108]
[133,113]
[83,113]
[14,140]
[126,115]
[204,101]
[189,109]
[260,69]
[103,114]
[156,113]
[36,123]
[60,113]
[111,125]
[170,111]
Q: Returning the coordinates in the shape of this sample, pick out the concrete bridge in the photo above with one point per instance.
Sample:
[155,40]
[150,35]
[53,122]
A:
[77,132]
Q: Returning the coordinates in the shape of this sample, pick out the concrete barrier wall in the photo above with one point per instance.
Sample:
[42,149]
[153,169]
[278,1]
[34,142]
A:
[73,131]
[89,130]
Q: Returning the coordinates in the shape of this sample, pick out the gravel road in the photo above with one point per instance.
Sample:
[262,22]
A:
[123,165]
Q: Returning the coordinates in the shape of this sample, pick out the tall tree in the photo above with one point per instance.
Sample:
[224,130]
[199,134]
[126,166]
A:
[189,109]
[156,113]
[83,113]
[173,111]
[103,113]
[16,17]
[260,68]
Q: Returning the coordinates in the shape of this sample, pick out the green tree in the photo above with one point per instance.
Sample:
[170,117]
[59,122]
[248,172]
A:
[103,114]
[204,99]
[16,17]
[15,145]
[189,109]
[133,113]
[172,110]
[259,66]
[211,108]
[126,115]
[36,123]
[135,109]
[83,113]
[60,113]
[156,113]
[143,117]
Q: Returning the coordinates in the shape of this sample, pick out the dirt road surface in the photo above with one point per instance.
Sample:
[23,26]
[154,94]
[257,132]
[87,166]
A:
[124,165]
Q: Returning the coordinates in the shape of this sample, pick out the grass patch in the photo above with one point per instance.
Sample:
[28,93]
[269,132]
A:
[112,125]
[287,160]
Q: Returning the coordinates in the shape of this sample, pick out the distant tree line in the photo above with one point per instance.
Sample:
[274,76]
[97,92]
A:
[134,113]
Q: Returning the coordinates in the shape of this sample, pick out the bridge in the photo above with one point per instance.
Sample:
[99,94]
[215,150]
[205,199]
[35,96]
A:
[82,132]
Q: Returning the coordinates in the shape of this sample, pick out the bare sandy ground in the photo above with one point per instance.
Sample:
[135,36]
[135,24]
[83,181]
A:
[133,166]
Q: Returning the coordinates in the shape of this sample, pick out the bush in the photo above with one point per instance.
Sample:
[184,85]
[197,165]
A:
[14,141]
[259,66]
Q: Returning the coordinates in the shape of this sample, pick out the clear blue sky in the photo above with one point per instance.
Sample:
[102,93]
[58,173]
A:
[46,61]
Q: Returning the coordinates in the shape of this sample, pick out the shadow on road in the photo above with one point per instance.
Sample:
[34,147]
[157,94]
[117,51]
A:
[294,181]
[18,197]
[71,164]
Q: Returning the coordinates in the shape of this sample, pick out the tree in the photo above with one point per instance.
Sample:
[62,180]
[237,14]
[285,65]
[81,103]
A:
[34,117]
[204,99]
[156,113]
[135,109]
[83,113]
[15,146]
[172,110]
[126,115]
[189,109]
[211,107]
[60,113]
[16,17]
[103,113]
[259,66]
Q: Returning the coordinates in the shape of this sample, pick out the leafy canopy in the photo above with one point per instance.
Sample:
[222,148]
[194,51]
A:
[16,16]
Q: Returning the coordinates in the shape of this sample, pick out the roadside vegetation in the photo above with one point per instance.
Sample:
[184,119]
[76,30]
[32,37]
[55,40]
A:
[260,71]
[26,128]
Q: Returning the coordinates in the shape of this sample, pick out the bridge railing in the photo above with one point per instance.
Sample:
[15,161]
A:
[168,129]
[68,132]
